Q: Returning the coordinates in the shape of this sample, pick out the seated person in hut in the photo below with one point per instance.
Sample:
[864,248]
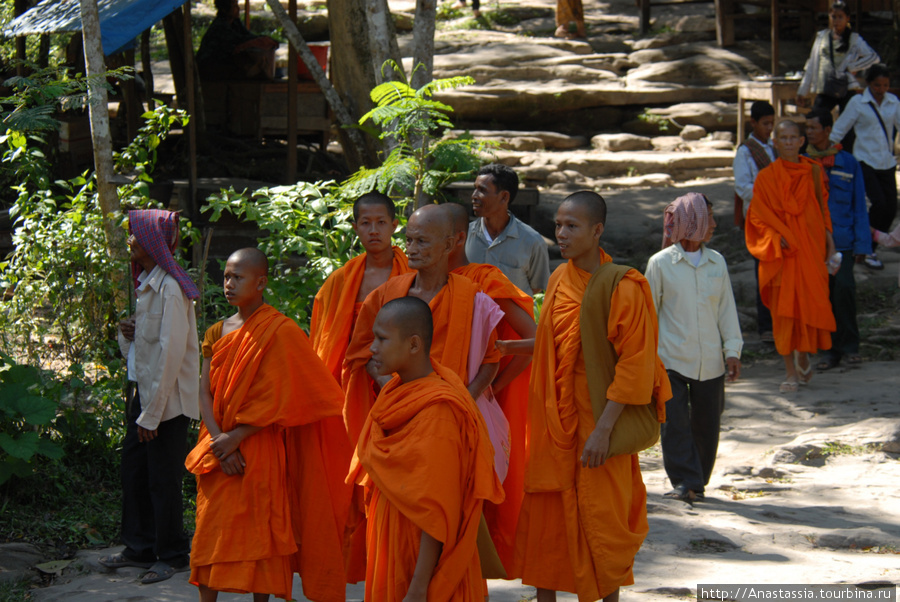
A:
[230,51]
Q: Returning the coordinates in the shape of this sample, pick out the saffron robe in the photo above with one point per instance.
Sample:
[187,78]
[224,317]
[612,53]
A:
[451,311]
[427,465]
[793,282]
[580,528]
[245,537]
[334,315]
[513,400]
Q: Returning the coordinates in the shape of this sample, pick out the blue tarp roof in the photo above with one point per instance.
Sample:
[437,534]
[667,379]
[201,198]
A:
[120,20]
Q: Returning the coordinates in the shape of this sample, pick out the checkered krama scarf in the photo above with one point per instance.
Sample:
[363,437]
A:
[156,231]
[686,218]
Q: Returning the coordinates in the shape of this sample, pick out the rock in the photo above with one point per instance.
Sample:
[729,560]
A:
[708,144]
[566,177]
[863,537]
[652,180]
[768,472]
[621,142]
[726,136]
[695,71]
[402,21]
[686,23]
[693,132]
[550,140]
[673,39]
[525,143]
[676,592]
[710,115]
[16,560]
[668,143]
[739,470]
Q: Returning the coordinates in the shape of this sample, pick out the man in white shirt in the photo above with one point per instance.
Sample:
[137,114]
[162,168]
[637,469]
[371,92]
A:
[698,324]
[499,238]
[753,154]
[160,342]
[875,117]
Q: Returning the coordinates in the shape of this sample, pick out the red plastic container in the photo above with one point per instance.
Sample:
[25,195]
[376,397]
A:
[320,51]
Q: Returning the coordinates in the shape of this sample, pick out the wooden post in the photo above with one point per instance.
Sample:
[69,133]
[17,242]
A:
[645,16]
[247,14]
[725,22]
[147,63]
[190,82]
[19,8]
[776,30]
[134,107]
[292,103]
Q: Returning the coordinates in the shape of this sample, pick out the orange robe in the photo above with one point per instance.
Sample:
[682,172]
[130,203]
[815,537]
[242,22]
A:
[451,311]
[793,282]
[245,536]
[333,313]
[580,529]
[453,305]
[513,400]
[427,464]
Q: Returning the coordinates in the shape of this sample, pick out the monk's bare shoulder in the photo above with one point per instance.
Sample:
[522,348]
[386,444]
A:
[232,323]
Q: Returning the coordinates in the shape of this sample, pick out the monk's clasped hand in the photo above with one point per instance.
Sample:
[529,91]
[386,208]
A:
[595,449]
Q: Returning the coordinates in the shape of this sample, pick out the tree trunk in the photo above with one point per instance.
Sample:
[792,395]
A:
[173,24]
[423,36]
[356,150]
[383,41]
[95,68]
[353,68]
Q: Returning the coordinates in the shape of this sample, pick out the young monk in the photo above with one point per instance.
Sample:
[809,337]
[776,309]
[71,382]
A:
[789,230]
[510,386]
[335,310]
[426,461]
[584,515]
[259,376]
[338,302]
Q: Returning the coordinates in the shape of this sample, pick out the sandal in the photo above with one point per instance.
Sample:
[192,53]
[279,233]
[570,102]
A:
[854,359]
[160,571]
[829,362]
[804,375]
[788,386]
[681,492]
[119,560]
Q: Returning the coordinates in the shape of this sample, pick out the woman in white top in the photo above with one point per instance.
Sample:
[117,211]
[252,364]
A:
[874,116]
[837,55]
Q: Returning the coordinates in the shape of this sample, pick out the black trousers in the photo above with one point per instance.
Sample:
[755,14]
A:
[881,190]
[828,103]
[842,286]
[763,315]
[152,509]
[690,434]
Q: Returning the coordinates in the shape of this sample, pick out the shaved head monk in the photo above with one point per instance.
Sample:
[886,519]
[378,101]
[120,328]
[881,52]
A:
[426,462]
[338,302]
[789,231]
[260,377]
[584,515]
[510,387]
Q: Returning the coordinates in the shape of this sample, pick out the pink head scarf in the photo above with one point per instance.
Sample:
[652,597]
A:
[686,218]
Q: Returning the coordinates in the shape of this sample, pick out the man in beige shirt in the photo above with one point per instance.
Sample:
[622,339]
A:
[160,342]
[698,325]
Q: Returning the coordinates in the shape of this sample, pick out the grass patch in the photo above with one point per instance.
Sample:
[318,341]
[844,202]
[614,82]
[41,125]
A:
[15,591]
[836,448]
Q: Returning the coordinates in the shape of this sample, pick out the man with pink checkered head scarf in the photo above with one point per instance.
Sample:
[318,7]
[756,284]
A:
[699,341]
[161,346]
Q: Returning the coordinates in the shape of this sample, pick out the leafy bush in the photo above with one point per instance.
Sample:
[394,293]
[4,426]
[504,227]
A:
[306,233]
[423,160]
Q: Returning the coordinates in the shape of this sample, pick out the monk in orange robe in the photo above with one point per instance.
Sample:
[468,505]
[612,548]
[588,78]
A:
[452,301]
[451,298]
[584,515]
[789,231]
[510,386]
[259,377]
[338,302]
[335,309]
[427,464]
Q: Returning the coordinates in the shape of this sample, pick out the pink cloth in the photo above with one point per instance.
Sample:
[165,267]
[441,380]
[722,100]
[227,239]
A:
[686,218]
[485,317]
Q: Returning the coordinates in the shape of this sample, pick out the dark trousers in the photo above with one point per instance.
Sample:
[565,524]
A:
[828,103]
[881,190]
[842,286]
[763,315]
[152,512]
[690,434]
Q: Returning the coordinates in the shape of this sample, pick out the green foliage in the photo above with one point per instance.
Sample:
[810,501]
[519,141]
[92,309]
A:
[25,413]
[306,233]
[422,160]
